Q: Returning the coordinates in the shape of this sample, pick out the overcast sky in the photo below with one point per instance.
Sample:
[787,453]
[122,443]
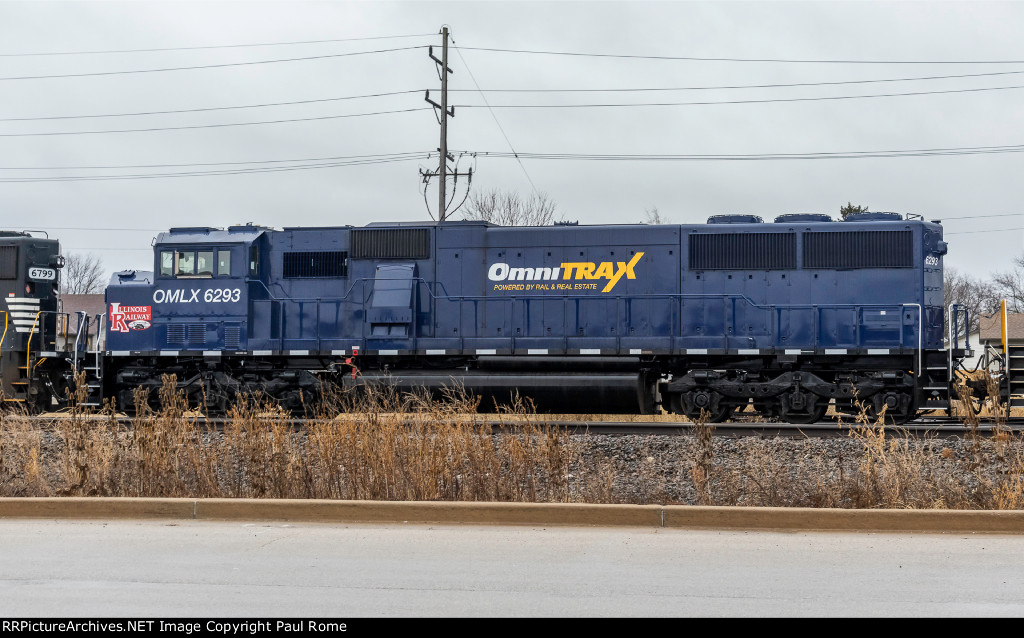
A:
[118,218]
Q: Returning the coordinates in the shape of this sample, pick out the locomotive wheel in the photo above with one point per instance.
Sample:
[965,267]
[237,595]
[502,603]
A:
[894,417]
[706,406]
[721,415]
[718,416]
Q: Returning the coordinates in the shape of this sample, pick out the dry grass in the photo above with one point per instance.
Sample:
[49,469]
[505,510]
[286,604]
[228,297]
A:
[384,445]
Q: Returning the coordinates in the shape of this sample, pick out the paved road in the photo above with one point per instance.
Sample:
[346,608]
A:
[204,569]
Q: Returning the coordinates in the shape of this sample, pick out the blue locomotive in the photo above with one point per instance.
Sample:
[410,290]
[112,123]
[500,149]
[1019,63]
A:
[788,316]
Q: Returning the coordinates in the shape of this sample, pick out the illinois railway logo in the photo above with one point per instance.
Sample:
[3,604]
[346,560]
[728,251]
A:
[580,273]
[125,318]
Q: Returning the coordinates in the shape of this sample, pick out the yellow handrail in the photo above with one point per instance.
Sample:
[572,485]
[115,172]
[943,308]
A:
[5,329]
[28,347]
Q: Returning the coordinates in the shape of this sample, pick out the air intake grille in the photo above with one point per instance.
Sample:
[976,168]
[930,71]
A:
[743,251]
[391,243]
[315,264]
[176,334]
[861,249]
[232,337]
[8,262]
[196,333]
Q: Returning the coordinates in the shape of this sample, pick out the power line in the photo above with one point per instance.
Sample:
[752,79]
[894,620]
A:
[148,250]
[211,66]
[966,150]
[710,59]
[991,230]
[212,108]
[316,162]
[983,216]
[748,86]
[760,101]
[133,230]
[228,124]
[409,155]
[239,171]
[403,155]
[485,91]
[216,46]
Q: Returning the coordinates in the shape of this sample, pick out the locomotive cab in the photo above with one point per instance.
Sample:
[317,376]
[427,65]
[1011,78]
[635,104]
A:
[194,300]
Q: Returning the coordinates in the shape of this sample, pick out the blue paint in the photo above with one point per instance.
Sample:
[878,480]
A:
[560,288]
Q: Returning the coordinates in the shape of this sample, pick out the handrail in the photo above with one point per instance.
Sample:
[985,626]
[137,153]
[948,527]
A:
[28,347]
[101,337]
[42,330]
[83,320]
[667,295]
[565,297]
[6,314]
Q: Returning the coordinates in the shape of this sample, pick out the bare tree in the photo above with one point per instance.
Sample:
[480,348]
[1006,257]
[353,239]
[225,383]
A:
[978,296]
[82,274]
[510,209]
[653,216]
[1010,286]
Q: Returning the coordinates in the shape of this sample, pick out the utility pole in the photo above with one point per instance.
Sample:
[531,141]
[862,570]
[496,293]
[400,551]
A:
[443,111]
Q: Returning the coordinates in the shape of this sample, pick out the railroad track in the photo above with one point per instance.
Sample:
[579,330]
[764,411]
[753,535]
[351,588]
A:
[942,427]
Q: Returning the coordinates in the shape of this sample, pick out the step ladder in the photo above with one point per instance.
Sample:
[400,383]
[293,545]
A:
[22,362]
[18,388]
[87,357]
[936,383]
[1014,377]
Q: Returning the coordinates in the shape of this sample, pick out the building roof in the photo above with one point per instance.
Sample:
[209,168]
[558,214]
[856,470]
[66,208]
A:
[92,304]
[991,327]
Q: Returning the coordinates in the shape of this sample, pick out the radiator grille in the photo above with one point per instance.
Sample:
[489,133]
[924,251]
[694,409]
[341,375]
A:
[743,251]
[315,264]
[176,333]
[391,243]
[861,249]
[232,337]
[8,262]
[196,334]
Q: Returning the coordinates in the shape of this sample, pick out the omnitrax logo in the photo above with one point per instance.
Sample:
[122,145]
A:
[612,271]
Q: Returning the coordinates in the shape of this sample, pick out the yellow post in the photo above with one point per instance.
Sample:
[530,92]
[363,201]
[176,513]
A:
[1002,316]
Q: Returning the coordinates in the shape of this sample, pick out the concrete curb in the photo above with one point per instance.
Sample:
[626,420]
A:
[569,514]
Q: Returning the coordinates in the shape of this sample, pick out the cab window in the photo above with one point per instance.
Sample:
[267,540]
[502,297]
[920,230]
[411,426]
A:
[224,263]
[254,261]
[195,263]
[166,263]
[204,263]
[186,264]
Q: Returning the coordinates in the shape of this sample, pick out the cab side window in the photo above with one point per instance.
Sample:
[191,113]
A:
[204,263]
[254,261]
[166,263]
[195,263]
[223,263]
[186,264]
